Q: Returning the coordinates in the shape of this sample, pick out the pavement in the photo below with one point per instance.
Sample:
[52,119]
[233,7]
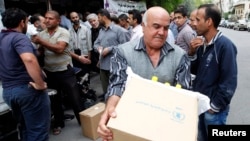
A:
[72,130]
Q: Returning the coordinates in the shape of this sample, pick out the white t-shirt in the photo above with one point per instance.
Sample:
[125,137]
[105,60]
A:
[136,32]
[170,39]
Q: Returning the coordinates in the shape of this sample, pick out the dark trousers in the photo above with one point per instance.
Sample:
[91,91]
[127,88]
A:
[104,76]
[65,83]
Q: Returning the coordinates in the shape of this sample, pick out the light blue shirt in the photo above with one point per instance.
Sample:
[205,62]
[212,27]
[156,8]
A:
[110,38]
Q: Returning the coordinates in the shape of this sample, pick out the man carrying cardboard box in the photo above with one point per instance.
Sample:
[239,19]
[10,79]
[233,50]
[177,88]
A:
[151,56]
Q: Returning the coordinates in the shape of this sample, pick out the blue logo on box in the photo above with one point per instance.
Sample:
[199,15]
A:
[178,116]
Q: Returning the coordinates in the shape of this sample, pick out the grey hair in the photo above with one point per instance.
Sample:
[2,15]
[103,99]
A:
[92,16]
[145,17]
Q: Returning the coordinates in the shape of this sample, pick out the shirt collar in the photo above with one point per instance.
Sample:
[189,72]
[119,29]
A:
[46,30]
[165,49]
[109,27]
[181,27]
[219,34]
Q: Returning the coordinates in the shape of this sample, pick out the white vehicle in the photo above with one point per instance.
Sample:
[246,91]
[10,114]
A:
[248,26]
[230,24]
[240,24]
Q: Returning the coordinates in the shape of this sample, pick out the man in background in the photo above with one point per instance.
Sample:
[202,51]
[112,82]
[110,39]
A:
[215,78]
[135,19]
[185,32]
[80,45]
[110,36]
[58,68]
[92,18]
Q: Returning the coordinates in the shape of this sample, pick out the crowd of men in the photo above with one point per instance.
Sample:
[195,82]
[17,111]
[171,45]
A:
[47,57]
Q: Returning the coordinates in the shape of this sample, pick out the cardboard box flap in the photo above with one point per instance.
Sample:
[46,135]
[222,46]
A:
[155,112]
[127,136]
[93,110]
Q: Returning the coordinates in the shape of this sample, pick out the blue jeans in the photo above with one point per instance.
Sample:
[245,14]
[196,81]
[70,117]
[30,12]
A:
[207,118]
[31,109]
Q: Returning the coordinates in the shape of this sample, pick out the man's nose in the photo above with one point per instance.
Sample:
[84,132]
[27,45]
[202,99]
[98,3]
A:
[161,30]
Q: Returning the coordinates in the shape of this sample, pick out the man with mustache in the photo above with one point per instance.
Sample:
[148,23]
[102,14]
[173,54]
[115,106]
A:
[80,44]
[149,56]
[58,68]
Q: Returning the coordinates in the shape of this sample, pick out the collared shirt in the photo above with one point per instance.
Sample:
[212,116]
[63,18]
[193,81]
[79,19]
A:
[173,66]
[54,62]
[185,35]
[136,33]
[80,39]
[110,38]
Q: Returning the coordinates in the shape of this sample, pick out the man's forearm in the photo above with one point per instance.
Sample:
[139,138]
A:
[112,101]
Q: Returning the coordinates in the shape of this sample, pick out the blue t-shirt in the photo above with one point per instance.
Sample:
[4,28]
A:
[12,69]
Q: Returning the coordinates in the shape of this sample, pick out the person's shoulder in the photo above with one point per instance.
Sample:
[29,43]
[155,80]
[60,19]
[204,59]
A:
[119,28]
[187,28]
[224,40]
[177,49]
[63,30]
[19,35]
[129,44]
[84,27]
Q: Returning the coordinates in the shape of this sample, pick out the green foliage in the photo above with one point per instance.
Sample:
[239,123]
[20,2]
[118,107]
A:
[169,5]
[190,5]
[225,15]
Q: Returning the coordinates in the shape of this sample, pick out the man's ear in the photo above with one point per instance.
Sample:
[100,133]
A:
[135,20]
[22,23]
[210,21]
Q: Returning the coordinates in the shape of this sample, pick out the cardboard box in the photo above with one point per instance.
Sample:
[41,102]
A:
[90,119]
[153,111]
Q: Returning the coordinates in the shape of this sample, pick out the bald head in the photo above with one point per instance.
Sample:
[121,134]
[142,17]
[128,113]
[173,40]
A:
[74,18]
[155,25]
[73,14]
[155,12]
[54,13]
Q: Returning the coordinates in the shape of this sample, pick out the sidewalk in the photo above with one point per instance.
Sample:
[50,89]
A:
[72,131]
